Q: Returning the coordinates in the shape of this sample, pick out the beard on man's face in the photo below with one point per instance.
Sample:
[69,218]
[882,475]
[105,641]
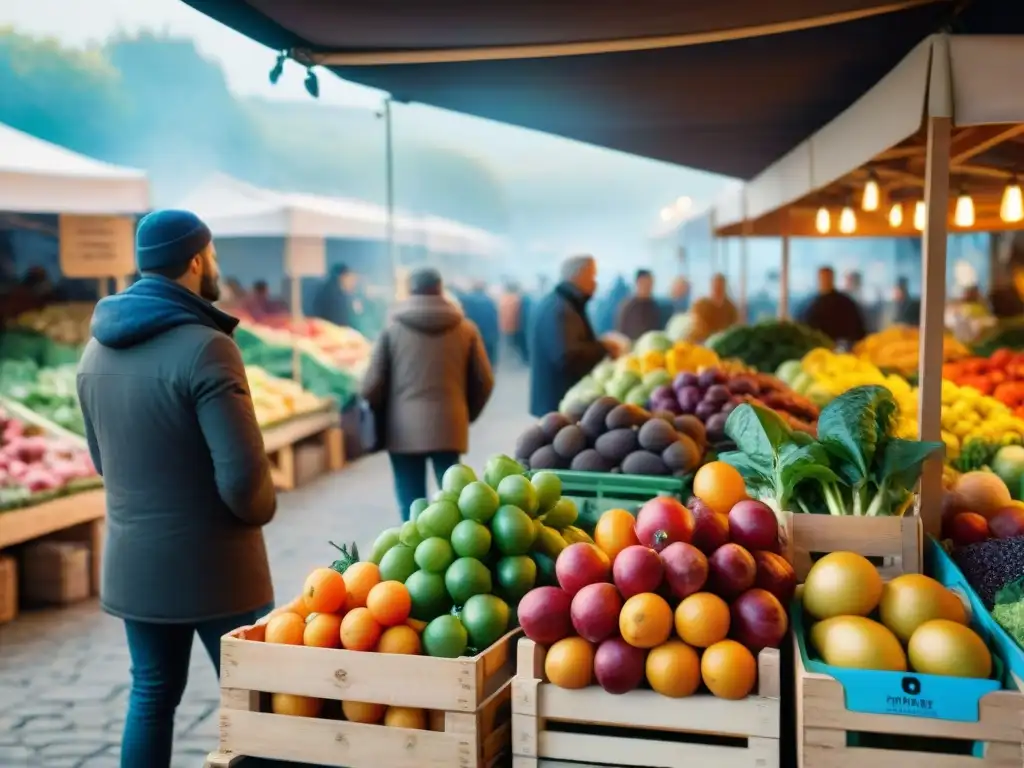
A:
[209,287]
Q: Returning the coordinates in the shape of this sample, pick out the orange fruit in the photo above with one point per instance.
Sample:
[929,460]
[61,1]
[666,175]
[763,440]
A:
[400,639]
[416,624]
[719,485]
[359,630]
[673,669]
[645,620]
[389,602]
[729,670]
[286,629]
[359,578]
[570,663]
[702,619]
[323,630]
[363,712]
[324,591]
[406,717]
[297,605]
[296,706]
[615,530]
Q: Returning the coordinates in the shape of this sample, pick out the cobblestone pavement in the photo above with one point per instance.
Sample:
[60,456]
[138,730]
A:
[64,673]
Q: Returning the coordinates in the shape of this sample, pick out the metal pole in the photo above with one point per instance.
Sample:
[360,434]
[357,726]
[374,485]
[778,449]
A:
[389,170]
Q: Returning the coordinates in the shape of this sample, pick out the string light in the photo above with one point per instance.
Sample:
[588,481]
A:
[823,221]
[896,215]
[1011,209]
[963,214]
[872,197]
[847,221]
[920,213]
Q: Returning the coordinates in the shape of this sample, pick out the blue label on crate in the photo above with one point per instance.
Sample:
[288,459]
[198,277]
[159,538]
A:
[895,693]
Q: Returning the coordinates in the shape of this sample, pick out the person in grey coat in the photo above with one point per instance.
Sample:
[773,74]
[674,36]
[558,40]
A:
[429,378]
[170,425]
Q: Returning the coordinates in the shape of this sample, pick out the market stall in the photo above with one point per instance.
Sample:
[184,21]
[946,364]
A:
[51,506]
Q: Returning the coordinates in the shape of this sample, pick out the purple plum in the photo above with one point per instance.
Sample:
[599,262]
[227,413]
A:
[715,426]
[742,386]
[662,394]
[683,380]
[728,407]
[710,377]
[705,410]
[716,394]
[689,398]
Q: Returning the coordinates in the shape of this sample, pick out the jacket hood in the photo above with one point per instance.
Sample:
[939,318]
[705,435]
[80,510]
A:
[428,314]
[150,307]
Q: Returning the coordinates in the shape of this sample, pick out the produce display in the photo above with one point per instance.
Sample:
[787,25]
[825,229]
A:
[447,582]
[1008,333]
[276,399]
[768,344]
[343,348]
[920,626]
[857,464]
[50,392]
[897,349]
[713,394]
[34,465]
[822,375]
[63,323]
[609,436]
[681,597]
[1000,376]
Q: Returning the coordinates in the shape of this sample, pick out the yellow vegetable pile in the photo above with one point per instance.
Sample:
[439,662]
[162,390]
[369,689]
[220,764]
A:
[836,373]
[897,348]
[682,357]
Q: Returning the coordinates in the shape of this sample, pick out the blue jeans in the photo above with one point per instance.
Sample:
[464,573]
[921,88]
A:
[411,475]
[160,656]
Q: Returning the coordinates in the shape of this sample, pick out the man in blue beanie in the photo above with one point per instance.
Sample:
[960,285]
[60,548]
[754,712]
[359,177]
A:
[171,427]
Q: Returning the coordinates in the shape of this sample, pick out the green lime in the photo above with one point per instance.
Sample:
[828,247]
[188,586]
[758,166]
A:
[457,477]
[439,519]
[478,501]
[398,563]
[428,595]
[516,576]
[549,489]
[485,618]
[446,637]
[416,507]
[466,577]
[410,535]
[546,576]
[513,531]
[385,541]
[499,467]
[443,495]
[435,554]
[563,514]
[518,491]
[471,539]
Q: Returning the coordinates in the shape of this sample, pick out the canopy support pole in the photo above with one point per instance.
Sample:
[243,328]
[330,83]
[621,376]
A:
[784,275]
[933,300]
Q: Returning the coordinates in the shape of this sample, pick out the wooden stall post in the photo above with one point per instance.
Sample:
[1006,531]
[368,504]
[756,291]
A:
[304,257]
[933,294]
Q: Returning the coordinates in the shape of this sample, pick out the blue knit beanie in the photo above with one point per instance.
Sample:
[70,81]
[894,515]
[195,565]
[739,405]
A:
[169,238]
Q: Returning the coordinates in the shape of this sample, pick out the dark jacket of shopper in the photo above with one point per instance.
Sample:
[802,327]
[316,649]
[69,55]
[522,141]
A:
[837,316]
[429,377]
[637,316]
[171,427]
[563,347]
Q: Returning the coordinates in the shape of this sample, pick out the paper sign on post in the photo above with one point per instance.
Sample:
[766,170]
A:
[96,246]
[305,256]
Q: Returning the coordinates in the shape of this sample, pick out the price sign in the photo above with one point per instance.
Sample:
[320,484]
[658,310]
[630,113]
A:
[97,246]
[305,256]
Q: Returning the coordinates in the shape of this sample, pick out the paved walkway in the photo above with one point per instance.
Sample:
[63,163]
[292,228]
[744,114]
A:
[64,673]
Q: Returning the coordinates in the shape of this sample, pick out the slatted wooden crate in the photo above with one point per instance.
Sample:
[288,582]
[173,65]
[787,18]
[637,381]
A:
[827,732]
[281,441]
[894,542]
[468,700]
[590,728]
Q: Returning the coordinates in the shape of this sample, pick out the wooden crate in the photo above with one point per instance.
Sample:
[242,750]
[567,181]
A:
[55,572]
[468,699]
[8,588]
[824,723]
[895,541]
[280,444]
[640,728]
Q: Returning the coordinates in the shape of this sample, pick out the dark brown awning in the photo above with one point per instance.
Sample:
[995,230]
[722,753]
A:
[730,107]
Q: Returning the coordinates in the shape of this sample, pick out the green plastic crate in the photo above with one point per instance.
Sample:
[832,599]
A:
[597,492]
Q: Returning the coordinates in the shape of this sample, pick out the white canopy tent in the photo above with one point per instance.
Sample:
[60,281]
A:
[234,208]
[39,177]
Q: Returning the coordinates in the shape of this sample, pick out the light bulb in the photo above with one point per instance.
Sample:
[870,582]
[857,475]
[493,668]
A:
[1011,209]
[920,213]
[847,221]
[871,198]
[896,215]
[963,214]
[823,221]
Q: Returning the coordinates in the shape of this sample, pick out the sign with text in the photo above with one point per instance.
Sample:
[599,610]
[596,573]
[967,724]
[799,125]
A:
[97,246]
[305,256]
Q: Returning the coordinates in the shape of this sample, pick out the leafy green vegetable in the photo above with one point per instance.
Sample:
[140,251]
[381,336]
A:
[349,556]
[976,454]
[1009,610]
